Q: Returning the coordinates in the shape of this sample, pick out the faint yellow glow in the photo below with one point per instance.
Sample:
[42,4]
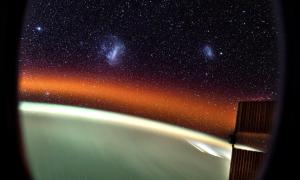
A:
[197,147]
[247,148]
[210,149]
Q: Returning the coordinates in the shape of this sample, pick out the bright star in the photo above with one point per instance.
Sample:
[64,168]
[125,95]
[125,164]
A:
[39,28]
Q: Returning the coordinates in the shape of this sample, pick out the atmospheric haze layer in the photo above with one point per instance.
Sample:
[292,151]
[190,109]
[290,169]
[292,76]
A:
[167,105]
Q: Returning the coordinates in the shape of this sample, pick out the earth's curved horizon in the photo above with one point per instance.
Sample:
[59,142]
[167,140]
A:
[64,142]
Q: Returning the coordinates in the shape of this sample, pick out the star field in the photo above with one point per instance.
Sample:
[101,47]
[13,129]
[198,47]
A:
[219,48]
